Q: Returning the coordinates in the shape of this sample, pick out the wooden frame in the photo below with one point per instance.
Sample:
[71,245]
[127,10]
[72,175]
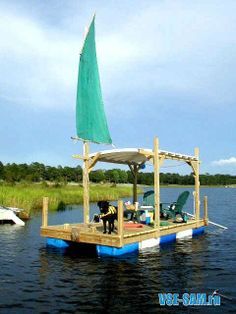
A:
[88,232]
[158,157]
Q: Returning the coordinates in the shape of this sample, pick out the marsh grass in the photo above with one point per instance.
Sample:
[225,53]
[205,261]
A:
[29,196]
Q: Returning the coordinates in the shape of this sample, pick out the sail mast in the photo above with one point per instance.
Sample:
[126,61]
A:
[86,206]
[91,123]
[86,181]
[85,161]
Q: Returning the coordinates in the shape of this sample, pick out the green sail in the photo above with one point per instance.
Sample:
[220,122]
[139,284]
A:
[91,123]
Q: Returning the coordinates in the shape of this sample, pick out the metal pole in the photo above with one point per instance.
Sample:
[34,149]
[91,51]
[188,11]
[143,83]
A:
[211,222]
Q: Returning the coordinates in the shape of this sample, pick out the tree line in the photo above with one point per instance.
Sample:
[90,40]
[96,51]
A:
[38,172]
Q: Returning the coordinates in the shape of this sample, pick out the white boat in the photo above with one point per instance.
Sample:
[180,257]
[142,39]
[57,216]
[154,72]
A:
[10,214]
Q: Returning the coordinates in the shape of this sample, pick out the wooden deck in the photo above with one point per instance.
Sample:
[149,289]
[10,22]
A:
[93,233]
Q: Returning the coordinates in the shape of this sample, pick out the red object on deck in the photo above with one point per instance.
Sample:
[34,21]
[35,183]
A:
[132,226]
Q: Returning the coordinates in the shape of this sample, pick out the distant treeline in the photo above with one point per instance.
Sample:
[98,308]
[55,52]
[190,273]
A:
[37,172]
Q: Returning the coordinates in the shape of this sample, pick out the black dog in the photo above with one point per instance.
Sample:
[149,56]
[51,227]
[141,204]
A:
[108,213]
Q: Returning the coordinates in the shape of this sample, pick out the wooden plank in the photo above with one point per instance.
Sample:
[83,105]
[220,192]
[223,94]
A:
[194,165]
[134,170]
[56,234]
[140,233]
[205,210]
[175,156]
[99,239]
[135,182]
[183,227]
[197,185]
[86,182]
[131,168]
[77,156]
[146,153]
[120,218]
[139,238]
[164,231]
[94,161]
[161,160]
[45,212]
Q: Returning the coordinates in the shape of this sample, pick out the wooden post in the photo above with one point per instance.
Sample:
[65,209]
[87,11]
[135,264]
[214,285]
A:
[135,176]
[197,184]
[156,165]
[45,212]
[205,211]
[120,219]
[86,182]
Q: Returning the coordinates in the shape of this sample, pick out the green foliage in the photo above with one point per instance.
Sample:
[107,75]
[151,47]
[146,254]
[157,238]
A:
[1,170]
[123,176]
[30,196]
[97,176]
[37,172]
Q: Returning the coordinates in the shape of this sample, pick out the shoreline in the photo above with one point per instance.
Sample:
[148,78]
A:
[30,196]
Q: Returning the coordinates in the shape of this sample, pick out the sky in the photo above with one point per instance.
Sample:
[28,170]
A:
[167,69]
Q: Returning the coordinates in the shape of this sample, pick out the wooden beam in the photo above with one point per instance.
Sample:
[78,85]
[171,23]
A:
[120,219]
[205,210]
[197,184]
[93,161]
[77,156]
[156,165]
[134,170]
[135,182]
[86,182]
[175,156]
[194,165]
[45,212]
[146,153]
[161,160]
[131,169]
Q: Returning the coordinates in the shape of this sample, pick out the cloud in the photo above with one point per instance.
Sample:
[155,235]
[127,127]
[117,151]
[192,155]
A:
[225,162]
[38,64]
[157,48]
[170,48]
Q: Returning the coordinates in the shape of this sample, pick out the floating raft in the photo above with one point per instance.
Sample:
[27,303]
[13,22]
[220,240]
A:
[124,240]
[132,239]
[129,239]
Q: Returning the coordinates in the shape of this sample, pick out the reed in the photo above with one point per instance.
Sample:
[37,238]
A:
[29,196]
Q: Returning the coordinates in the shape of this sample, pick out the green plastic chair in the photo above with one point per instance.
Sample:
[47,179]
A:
[176,208]
[148,198]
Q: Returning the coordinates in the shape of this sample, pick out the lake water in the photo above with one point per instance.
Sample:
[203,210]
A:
[36,279]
